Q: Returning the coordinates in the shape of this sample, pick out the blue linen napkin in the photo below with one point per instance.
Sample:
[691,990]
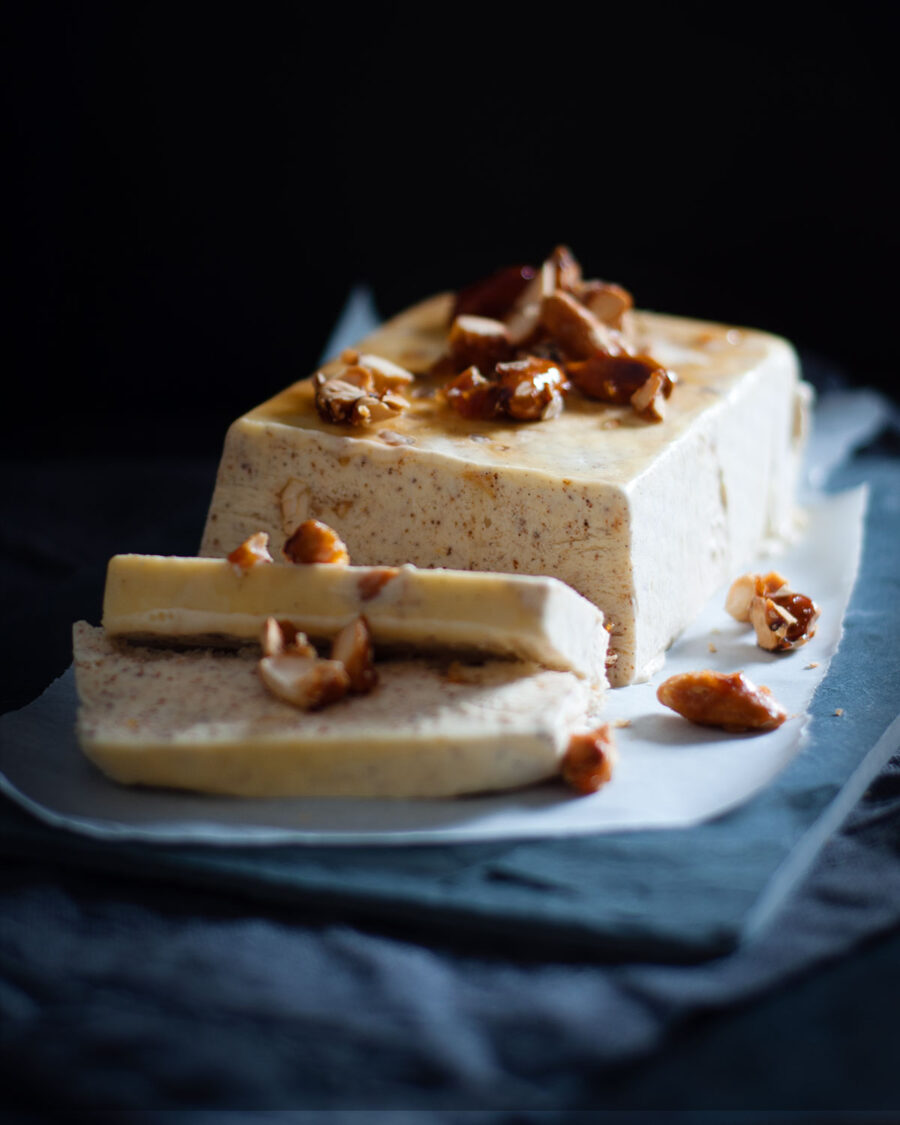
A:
[142,995]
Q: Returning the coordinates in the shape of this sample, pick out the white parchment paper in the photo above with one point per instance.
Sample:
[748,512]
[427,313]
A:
[670,773]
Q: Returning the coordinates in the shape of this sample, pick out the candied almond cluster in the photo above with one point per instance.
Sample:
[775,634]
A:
[293,671]
[522,338]
[782,619]
[291,668]
[364,389]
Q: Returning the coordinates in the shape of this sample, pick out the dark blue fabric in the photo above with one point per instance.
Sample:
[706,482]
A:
[143,996]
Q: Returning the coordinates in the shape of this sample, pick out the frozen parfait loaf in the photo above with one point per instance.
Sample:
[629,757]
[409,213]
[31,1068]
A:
[537,424]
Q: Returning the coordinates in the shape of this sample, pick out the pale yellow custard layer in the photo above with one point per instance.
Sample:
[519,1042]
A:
[539,619]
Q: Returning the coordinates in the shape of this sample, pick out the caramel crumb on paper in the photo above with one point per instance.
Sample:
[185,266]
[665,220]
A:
[814,664]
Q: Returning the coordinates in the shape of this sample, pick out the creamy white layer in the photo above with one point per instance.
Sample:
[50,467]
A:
[530,618]
[201,720]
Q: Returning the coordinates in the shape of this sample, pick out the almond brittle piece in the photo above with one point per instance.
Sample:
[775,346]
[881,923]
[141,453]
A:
[316,542]
[250,553]
[744,589]
[353,648]
[573,327]
[479,341]
[783,621]
[530,389]
[607,301]
[471,395]
[361,392]
[649,400]
[617,377]
[304,681]
[277,637]
[494,296]
[587,764]
[718,699]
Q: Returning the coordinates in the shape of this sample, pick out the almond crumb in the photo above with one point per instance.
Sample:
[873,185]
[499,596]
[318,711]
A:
[712,647]
[813,664]
[459,673]
[839,711]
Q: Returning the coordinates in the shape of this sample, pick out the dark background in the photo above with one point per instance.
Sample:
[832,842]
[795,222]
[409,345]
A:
[193,188]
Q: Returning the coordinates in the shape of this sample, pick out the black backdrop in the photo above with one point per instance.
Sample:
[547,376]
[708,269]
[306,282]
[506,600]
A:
[194,187]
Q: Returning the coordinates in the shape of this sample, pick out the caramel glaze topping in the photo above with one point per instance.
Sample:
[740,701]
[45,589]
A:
[521,338]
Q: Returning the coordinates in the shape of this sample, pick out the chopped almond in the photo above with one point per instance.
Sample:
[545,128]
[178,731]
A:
[573,327]
[386,375]
[479,341]
[304,681]
[494,296]
[608,302]
[587,764]
[649,400]
[353,648]
[251,552]
[316,542]
[744,589]
[567,270]
[530,389]
[609,378]
[277,637]
[716,699]
[784,621]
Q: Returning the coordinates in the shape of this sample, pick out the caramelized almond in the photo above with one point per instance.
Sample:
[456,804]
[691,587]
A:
[587,764]
[353,648]
[251,552]
[316,542]
[716,699]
